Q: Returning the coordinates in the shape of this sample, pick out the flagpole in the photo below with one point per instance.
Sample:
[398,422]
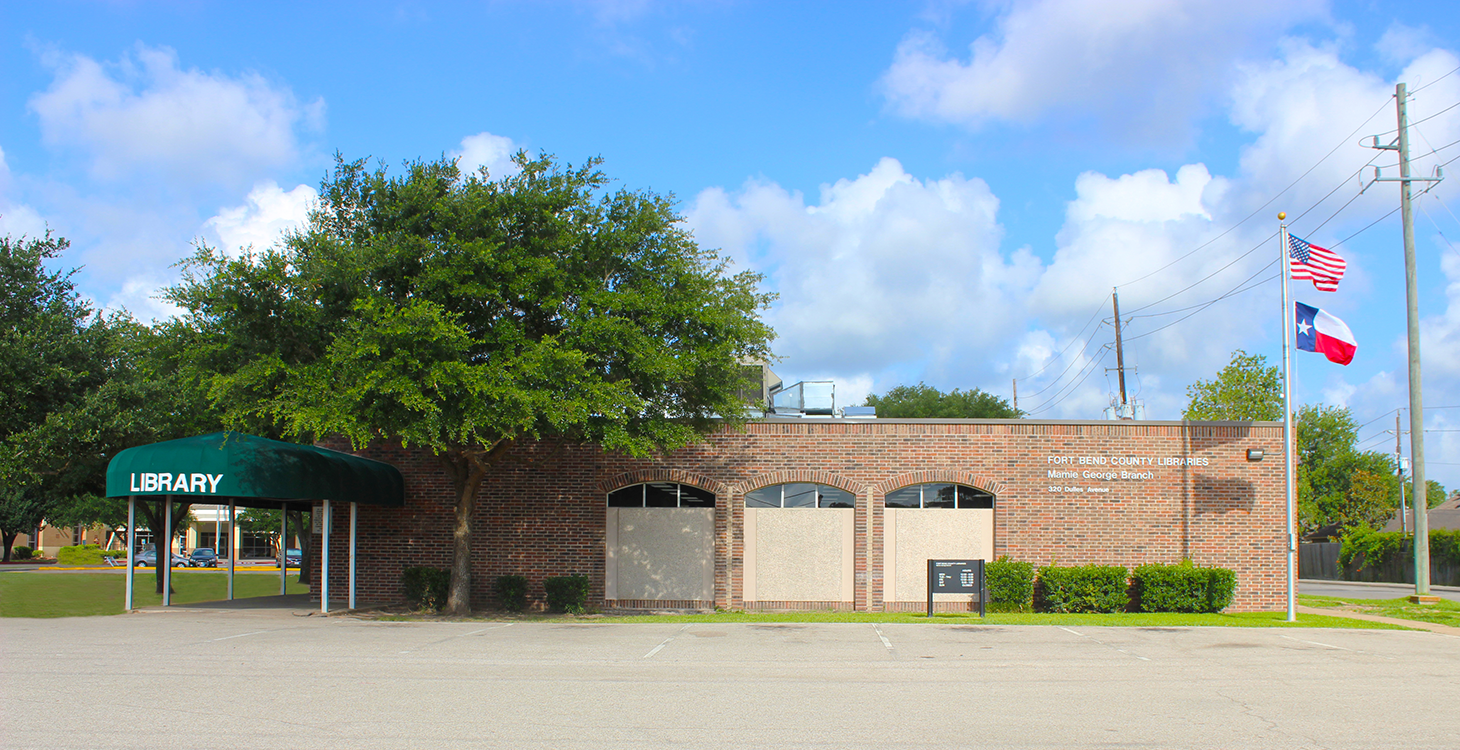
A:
[1292,540]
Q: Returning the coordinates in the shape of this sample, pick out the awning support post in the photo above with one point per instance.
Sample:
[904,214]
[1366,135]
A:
[165,553]
[232,545]
[324,575]
[131,547]
[283,546]
[354,516]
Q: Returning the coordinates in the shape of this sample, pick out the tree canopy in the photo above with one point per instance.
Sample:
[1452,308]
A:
[54,349]
[1246,389]
[923,401]
[81,386]
[1336,483]
[461,314]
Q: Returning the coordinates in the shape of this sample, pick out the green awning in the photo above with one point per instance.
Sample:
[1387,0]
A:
[251,471]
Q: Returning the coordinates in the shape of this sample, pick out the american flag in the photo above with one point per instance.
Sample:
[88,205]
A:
[1320,265]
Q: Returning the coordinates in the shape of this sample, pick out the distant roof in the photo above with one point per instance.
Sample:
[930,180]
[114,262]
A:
[1438,518]
[252,472]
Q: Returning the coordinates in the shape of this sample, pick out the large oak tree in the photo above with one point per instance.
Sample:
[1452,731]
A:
[463,313]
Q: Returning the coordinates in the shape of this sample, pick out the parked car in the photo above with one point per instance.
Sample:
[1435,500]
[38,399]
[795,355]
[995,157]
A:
[147,558]
[293,558]
[203,557]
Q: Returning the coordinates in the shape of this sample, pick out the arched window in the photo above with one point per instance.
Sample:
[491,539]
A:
[661,495]
[939,495]
[799,495]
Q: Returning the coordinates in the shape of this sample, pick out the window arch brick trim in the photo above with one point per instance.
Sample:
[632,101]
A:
[641,476]
[801,475]
[955,476]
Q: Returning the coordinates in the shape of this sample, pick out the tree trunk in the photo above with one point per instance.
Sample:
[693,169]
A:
[305,537]
[162,543]
[466,477]
[9,539]
[467,469]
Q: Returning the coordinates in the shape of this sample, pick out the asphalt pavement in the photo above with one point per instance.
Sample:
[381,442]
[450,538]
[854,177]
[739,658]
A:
[289,678]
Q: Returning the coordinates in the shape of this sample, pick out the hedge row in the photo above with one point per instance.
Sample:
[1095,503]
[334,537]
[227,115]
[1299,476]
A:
[82,554]
[427,588]
[1018,587]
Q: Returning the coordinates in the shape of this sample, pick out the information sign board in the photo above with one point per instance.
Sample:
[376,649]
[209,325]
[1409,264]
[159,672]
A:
[957,577]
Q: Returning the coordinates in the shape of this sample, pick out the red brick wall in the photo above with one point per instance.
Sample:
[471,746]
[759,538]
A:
[541,512]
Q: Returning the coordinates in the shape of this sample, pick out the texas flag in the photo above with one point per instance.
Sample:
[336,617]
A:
[1320,332]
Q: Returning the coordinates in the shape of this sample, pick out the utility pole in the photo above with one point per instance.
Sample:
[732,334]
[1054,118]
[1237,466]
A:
[1016,394]
[1399,466]
[1411,296]
[1119,350]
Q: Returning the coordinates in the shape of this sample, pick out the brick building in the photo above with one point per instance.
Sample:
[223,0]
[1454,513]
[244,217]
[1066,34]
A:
[840,513]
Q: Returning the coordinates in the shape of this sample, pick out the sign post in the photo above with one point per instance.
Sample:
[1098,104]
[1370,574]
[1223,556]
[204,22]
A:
[957,577]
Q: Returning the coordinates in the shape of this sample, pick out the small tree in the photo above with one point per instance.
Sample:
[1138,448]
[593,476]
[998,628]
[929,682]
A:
[1246,389]
[464,314]
[923,401]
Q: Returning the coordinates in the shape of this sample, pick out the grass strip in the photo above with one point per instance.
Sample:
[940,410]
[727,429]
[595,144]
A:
[1445,612]
[62,594]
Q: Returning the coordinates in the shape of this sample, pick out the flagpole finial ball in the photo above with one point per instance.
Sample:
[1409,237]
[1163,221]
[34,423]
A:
[1282,215]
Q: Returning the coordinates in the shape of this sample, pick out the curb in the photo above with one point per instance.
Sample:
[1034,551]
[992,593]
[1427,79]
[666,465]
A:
[1375,584]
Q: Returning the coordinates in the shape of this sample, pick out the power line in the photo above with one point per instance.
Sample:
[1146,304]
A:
[1416,122]
[1061,376]
[1270,201]
[1254,249]
[1235,291]
[1212,302]
[1365,229]
[1072,341]
[1431,83]
[1059,397]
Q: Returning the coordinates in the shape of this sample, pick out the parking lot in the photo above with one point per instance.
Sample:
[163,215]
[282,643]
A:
[283,678]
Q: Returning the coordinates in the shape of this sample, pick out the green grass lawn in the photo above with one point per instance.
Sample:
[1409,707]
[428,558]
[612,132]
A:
[1160,619]
[76,594]
[1445,612]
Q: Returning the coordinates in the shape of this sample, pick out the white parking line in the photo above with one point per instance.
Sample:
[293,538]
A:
[885,642]
[666,642]
[240,635]
[483,630]
[1103,643]
[1316,643]
[454,637]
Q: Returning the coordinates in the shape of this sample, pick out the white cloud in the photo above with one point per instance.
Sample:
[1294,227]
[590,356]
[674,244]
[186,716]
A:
[267,213]
[884,271]
[145,113]
[16,219]
[1401,43]
[1440,335]
[486,150]
[1144,66]
[138,296]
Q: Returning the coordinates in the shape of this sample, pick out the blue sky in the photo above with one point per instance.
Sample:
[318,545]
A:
[941,191]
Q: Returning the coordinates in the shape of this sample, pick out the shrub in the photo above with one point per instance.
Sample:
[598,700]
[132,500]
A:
[20,553]
[1087,588]
[1182,588]
[114,553]
[512,592]
[82,554]
[567,593]
[1221,587]
[1011,585]
[426,588]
